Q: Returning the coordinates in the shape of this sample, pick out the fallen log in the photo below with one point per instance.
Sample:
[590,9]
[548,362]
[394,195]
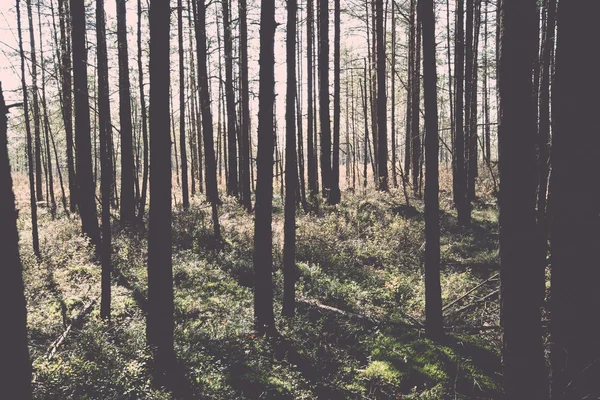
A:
[56,344]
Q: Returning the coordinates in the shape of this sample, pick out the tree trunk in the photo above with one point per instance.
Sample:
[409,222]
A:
[460,193]
[85,178]
[127,175]
[182,142]
[47,132]
[522,348]
[324,116]
[415,146]
[382,148]
[245,103]
[106,179]
[14,363]
[393,91]
[311,134]
[263,243]
[573,206]
[144,114]
[67,108]
[434,327]
[291,171]
[30,161]
[212,193]
[36,108]
[335,195]
[159,320]
[232,180]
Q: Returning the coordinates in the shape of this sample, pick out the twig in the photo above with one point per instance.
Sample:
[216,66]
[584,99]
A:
[470,291]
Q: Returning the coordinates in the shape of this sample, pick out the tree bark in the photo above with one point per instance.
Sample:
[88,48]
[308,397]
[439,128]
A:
[144,114]
[291,171]
[212,193]
[30,161]
[127,175]
[15,366]
[85,178]
[522,347]
[67,108]
[159,320]
[434,327]
[382,147]
[573,206]
[106,179]
[36,107]
[245,164]
[263,239]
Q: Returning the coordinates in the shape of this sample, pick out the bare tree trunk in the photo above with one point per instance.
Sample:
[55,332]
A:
[291,171]
[207,125]
[182,141]
[14,363]
[263,243]
[522,348]
[67,108]
[106,180]
[573,205]
[460,194]
[144,113]
[434,327]
[85,178]
[335,194]
[36,108]
[159,322]
[324,116]
[393,90]
[47,132]
[245,164]
[311,134]
[232,180]
[382,148]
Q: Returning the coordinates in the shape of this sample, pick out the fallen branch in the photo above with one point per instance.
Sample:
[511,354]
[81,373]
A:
[56,344]
[484,298]
[415,323]
[470,291]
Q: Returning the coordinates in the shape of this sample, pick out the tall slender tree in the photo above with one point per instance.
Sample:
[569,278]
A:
[207,121]
[382,143]
[67,107]
[15,366]
[573,206]
[232,180]
[522,348]
[182,142]
[144,121]
[291,169]
[459,175]
[311,133]
[324,116]
[36,107]
[30,162]
[127,168]
[159,322]
[335,169]
[433,293]
[263,236]
[85,178]
[106,179]
[245,105]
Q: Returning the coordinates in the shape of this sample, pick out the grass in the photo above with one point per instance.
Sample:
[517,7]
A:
[357,331]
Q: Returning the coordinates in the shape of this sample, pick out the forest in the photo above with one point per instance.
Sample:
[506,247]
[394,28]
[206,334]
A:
[300,199]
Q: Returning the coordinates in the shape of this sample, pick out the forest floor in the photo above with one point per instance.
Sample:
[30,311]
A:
[358,329]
